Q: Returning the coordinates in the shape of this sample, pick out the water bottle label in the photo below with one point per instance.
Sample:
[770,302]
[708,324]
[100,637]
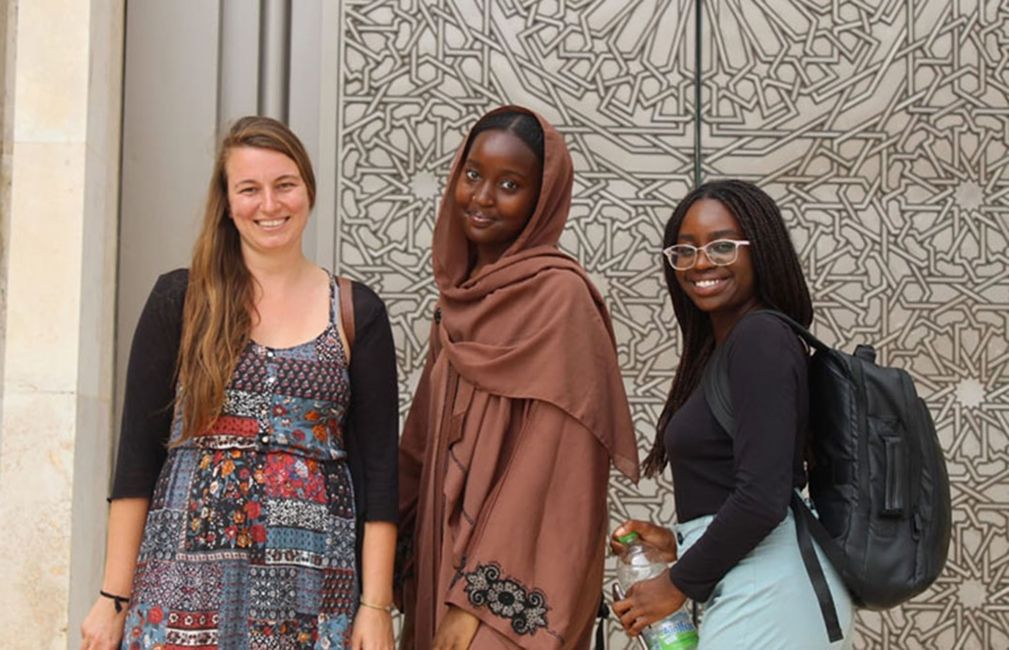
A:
[672,634]
[666,640]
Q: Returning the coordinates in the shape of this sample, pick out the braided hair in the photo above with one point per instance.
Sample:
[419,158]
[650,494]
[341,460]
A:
[778,281]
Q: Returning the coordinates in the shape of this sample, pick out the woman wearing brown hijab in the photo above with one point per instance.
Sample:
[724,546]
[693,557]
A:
[505,457]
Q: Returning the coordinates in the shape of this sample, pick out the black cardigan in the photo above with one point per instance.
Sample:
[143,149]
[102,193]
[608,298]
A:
[372,420]
[744,479]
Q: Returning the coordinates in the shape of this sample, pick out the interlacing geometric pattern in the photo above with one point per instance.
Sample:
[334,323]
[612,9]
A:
[880,127]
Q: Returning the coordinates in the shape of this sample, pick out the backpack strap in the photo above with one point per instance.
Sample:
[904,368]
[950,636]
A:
[715,384]
[799,330]
[345,323]
[805,524]
[715,380]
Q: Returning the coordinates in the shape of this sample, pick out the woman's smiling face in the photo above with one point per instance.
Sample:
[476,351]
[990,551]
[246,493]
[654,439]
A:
[267,199]
[496,192]
[723,292]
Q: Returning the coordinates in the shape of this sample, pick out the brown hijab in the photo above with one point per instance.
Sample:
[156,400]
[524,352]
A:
[521,327]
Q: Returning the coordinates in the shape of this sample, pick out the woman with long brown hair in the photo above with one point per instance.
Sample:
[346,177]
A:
[521,408]
[254,500]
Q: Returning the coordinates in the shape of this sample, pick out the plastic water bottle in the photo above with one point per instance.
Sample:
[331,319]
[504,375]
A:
[641,562]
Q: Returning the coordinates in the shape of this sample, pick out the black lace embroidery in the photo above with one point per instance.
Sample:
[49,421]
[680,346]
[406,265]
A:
[527,610]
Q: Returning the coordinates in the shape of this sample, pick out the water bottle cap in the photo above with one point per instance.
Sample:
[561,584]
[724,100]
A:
[629,538]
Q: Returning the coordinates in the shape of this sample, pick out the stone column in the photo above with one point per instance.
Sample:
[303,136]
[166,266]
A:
[63,86]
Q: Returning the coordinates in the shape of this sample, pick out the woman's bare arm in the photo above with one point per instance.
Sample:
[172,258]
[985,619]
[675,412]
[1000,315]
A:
[103,627]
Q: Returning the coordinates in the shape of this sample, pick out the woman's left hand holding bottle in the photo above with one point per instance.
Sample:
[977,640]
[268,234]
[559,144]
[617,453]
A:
[648,601]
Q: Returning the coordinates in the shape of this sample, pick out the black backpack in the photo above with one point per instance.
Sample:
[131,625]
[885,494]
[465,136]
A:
[877,477]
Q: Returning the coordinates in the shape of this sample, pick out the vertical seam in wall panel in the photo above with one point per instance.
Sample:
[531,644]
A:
[698,116]
[337,232]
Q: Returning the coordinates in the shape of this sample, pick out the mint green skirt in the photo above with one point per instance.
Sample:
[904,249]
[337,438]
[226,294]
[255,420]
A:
[766,600]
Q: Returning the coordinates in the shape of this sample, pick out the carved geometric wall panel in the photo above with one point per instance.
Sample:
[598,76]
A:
[881,128]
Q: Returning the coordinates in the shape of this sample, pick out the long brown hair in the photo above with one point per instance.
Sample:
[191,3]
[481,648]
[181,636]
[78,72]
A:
[778,277]
[220,298]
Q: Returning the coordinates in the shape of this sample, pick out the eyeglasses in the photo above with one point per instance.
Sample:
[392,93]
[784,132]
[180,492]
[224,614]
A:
[720,252]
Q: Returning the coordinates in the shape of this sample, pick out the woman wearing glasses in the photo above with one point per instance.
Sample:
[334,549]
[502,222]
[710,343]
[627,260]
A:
[729,254]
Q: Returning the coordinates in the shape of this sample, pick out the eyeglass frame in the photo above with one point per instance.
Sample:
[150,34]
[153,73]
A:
[668,253]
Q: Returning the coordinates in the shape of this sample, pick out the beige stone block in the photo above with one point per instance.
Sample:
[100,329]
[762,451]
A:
[44,267]
[36,461]
[51,71]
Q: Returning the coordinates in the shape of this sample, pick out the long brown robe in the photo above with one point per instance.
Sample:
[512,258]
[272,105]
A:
[505,455]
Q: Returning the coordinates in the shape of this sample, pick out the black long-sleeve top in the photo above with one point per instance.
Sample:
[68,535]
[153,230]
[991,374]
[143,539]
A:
[372,420]
[744,479]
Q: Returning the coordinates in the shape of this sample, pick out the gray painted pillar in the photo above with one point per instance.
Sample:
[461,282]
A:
[274,57]
[237,77]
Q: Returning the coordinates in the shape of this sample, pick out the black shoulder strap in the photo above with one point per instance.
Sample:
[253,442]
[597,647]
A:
[715,384]
[806,524]
[715,380]
[799,330]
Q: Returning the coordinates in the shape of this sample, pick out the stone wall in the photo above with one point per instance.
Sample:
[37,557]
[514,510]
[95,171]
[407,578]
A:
[63,87]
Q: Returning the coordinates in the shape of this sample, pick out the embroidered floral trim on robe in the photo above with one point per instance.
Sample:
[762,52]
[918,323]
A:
[527,610]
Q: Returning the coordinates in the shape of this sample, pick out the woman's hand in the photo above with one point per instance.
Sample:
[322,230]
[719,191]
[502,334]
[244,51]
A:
[456,631]
[648,601]
[102,628]
[373,625]
[658,537]
[372,630]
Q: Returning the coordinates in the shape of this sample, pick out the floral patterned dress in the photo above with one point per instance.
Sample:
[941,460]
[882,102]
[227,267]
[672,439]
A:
[250,537]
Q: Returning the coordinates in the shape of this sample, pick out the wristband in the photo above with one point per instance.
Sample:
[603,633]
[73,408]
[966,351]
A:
[118,600]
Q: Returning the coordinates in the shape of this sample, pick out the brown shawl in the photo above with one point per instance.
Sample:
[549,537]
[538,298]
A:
[521,400]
